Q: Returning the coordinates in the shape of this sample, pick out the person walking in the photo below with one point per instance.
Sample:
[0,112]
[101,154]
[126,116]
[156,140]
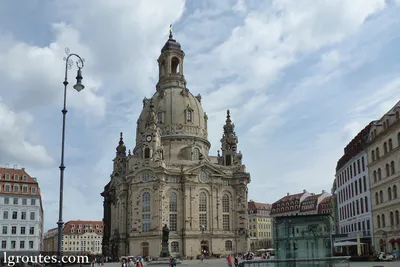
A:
[395,254]
[236,261]
[229,260]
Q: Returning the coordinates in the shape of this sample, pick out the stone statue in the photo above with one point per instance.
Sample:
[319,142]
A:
[165,234]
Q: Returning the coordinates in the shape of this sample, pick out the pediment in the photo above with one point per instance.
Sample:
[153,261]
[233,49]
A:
[206,167]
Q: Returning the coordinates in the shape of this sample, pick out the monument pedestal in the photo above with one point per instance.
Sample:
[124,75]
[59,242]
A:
[164,249]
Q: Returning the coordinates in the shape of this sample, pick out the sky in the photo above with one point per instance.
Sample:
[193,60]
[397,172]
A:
[301,78]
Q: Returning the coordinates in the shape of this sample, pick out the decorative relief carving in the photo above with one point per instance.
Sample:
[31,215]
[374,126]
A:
[184,129]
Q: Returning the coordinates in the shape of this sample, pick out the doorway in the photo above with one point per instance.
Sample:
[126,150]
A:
[204,247]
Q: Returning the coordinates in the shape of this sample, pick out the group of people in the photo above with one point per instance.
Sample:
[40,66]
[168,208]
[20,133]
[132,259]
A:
[138,262]
[231,261]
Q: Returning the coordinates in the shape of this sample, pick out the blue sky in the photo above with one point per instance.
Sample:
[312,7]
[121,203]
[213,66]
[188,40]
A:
[301,78]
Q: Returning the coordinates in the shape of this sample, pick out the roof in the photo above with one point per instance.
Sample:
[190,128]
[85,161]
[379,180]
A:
[252,205]
[325,206]
[75,224]
[289,203]
[20,172]
[18,177]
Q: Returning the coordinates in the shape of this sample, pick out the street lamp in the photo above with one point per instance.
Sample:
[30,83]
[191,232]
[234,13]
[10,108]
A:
[78,87]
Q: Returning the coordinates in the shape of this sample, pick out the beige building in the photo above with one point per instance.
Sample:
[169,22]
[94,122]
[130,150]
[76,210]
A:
[384,165]
[170,178]
[78,236]
[260,225]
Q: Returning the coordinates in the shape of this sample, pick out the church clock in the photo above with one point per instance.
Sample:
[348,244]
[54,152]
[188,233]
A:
[149,138]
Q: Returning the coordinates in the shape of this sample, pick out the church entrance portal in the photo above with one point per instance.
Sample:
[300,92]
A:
[204,247]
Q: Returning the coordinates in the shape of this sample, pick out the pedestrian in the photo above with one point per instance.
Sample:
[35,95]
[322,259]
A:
[229,260]
[124,263]
[236,261]
[395,253]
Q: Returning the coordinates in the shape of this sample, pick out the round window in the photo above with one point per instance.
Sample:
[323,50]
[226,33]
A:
[203,176]
[145,177]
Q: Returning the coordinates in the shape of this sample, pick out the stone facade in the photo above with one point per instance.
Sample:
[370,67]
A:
[170,178]
[384,165]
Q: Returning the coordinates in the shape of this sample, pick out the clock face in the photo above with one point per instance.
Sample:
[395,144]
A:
[148,138]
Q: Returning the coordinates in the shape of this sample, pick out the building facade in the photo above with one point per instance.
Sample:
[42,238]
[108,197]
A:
[21,211]
[170,178]
[260,225]
[384,165]
[78,237]
[354,212]
[303,226]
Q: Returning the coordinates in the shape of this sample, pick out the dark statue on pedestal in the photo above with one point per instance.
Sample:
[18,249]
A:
[164,244]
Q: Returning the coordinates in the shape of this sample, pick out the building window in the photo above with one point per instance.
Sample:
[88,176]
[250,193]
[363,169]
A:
[15,201]
[383,220]
[392,168]
[5,215]
[394,192]
[13,244]
[196,154]
[203,210]
[389,191]
[373,155]
[385,148]
[32,216]
[147,153]
[173,209]
[14,230]
[24,178]
[379,174]
[5,230]
[387,168]
[24,201]
[4,244]
[33,202]
[189,115]
[390,145]
[160,117]
[16,188]
[377,153]
[7,188]
[228,245]
[22,230]
[174,246]
[225,213]
[31,244]
[146,212]
[7,176]
[378,221]
[380,196]
[145,177]
[33,190]
[23,215]
[15,215]
[391,219]
[31,230]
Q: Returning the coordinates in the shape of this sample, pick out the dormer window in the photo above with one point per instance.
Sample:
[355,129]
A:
[160,117]
[189,114]
[7,176]
[24,178]
[33,190]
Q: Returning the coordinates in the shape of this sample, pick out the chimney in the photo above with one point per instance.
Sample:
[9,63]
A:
[323,191]
[15,167]
[304,190]
[23,169]
[288,194]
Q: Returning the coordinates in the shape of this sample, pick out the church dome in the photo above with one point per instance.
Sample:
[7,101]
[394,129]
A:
[179,113]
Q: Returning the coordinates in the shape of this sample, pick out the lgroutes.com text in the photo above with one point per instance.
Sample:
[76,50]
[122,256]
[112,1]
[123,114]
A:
[12,260]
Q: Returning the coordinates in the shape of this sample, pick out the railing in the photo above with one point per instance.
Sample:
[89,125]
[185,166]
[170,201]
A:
[322,262]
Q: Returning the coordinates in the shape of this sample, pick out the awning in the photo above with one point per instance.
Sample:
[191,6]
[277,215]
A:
[346,244]
[392,240]
[397,240]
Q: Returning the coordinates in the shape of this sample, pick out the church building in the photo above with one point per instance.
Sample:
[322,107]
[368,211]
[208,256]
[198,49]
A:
[170,179]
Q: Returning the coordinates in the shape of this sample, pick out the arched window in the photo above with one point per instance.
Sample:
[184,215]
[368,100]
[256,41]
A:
[203,210]
[373,155]
[389,191]
[228,245]
[225,213]
[375,178]
[387,170]
[173,212]
[385,148]
[379,174]
[383,220]
[376,198]
[391,218]
[146,212]
[174,65]
[174,246]
[377,153]
[394,192]
[147,153]
[390,144]
[196,154]
[378,221]
[381,197]
[392,168]
[397,217]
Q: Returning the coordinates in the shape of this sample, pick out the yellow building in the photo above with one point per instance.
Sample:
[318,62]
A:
[78,236]
[260,225]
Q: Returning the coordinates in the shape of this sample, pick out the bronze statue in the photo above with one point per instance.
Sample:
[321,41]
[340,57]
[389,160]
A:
[165,234]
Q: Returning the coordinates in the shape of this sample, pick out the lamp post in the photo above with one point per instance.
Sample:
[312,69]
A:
[78,87]
[202,241]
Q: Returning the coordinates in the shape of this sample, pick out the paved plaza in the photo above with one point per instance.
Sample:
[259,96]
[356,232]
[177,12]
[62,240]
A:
[222,263]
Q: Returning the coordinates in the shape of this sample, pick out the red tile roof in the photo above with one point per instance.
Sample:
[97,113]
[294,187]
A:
[289,203]
[309,203]
[252,205]
[17,177]
[325,206]
[75,225]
